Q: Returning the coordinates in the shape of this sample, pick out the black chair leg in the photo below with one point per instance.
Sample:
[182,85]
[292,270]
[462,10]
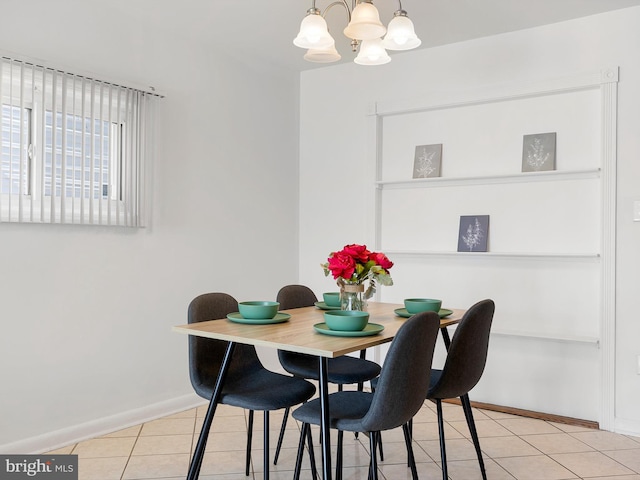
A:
[281,436]
[443,450]
[409,426]
[198,454]
[305,434]
[298,466]
[466,406]
[339,456]
[312,455]
[266,445]
[412,459]
[373,465]
[249,439]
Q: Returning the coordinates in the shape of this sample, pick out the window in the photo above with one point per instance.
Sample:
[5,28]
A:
[15,141]
[73,148]
[87,174]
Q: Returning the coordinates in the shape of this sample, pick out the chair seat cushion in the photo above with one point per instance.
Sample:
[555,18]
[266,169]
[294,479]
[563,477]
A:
[266,390]
[435,377]
[346,409]
[341,370]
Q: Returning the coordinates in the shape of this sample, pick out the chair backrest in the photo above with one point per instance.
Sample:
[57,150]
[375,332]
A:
[403,382]
[467,355]
[206,354]
[296,296]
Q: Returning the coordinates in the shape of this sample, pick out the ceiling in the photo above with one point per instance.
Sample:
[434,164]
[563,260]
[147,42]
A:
[264,30]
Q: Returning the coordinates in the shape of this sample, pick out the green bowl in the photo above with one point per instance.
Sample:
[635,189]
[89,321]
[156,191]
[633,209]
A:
[417,305]
[346,320]
[258,309]
[331,299]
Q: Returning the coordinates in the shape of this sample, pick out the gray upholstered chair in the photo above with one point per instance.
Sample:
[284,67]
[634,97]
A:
[343,370]
[463,368]
[248,384]
[402,388]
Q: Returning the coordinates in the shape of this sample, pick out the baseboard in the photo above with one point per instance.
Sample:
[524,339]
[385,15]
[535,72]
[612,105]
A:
[102,426]
[96,428]
[530,414]
[627,427]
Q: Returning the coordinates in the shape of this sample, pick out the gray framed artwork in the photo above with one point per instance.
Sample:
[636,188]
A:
[427,161]
[474,233]
[539,152]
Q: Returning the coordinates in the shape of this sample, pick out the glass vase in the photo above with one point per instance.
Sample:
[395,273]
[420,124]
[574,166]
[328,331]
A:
[352,297]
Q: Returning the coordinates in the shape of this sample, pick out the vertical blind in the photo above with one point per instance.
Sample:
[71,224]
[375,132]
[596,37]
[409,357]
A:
[73,148]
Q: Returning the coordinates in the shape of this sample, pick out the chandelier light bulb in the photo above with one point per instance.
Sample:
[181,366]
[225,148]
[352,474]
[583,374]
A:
[372,53]
[323,55]
[365,23]
[401,34]
[313,32]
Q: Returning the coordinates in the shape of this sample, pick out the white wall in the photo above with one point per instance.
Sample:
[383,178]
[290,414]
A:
[70,366]
[86,341]
[336,178]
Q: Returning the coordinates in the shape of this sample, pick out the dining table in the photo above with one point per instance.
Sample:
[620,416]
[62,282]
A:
[303,332]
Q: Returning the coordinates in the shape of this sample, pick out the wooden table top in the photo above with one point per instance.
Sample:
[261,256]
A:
[298,334]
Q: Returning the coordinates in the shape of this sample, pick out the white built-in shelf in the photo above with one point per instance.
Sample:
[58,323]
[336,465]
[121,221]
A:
[554,337]
[540,255]
[521,177]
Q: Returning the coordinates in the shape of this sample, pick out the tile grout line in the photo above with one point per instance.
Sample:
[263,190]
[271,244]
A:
[193,440]
[421,449]
[131,452]
[604,452]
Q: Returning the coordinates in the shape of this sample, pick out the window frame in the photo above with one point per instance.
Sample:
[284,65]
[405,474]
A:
[114,150]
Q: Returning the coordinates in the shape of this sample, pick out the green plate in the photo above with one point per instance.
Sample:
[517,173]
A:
[402,312]
[279,318]
[370,329]
[324,306]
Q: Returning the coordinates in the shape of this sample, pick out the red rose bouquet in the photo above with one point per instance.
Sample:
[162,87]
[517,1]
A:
[354,264]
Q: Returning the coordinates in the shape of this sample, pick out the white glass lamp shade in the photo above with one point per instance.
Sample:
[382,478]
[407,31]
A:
[365,23]
[323,55]
[313,33]
[401,34]
[372,53]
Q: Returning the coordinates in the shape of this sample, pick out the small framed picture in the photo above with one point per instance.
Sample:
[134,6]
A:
[539,152]
[474,233]
[427,161]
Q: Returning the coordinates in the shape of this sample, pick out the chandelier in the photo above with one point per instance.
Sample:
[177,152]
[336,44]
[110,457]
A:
[369,37]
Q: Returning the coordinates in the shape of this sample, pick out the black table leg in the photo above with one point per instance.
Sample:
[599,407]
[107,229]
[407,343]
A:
[324,424]
[196,461]
[363,356]
[445,337]
[266,445]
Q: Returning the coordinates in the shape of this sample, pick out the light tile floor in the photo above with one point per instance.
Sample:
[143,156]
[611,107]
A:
[514,448]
